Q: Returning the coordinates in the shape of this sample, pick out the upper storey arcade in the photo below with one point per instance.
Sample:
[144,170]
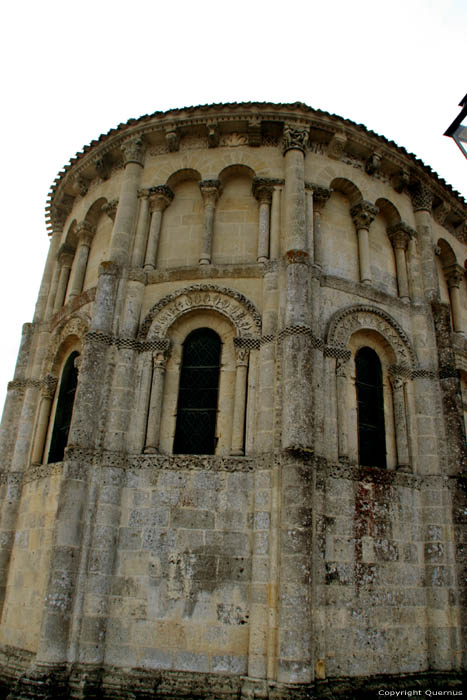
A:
[205,186]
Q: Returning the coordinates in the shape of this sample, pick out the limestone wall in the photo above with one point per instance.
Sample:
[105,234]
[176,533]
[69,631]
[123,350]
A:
[282,563]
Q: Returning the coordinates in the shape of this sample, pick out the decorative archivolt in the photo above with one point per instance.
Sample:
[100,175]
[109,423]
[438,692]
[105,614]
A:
[348,321]
[241,312]
[63,338]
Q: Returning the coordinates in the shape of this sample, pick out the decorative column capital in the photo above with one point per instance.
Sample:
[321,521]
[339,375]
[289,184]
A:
[320,197]
[262,189]
[210,191]
[49,385]
[422,197]
[397,382]
[454,275]
[110,208]
[294,137]
[342,368]
[65,255]
[133,150]
[159,359]
[85,232]
[242,353]
[160,197]
[400,235]
[363,214]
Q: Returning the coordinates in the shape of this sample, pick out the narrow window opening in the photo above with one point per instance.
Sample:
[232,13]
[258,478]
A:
[370,403]
[195,431]
[64,410]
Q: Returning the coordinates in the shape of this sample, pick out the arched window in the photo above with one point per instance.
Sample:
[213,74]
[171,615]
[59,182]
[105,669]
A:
[195,431]
[370,405]
[64,410]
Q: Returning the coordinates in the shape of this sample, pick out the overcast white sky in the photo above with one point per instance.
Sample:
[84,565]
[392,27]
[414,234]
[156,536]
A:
[73,70]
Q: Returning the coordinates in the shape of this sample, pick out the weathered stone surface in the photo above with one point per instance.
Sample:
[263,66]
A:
[284,564]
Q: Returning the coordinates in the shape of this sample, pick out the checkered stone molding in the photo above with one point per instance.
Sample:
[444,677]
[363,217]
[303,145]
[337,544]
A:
[128,343]
[251,343]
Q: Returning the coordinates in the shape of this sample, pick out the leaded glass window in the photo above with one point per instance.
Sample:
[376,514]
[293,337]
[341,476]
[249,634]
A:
[370,403]
[64,410]
[195,431]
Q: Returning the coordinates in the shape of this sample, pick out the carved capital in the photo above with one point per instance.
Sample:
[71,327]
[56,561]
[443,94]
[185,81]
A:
[336,146]
[242,353]
[397,382]
[159,359]
[294,137]
[213,134]
[49,385]
[133,150]
[454,275]
[373,163]
[143,192]
[320,197]
[363,214]
[342,368]
[262,189]
[400,235]
[85,232]
[422,197]
[160,197]
[110,208]
[172,138]
[65,255]
[210,191]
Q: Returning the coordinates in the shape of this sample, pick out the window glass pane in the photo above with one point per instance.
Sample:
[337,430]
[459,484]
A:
[195,431]
[64,410]
[371,433]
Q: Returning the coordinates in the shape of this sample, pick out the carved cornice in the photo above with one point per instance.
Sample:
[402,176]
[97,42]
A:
[373,163]
[172,137]
[82,184]
[103,167]
[336,146]
[213,134]
[401,180]
[397,164]
[295,137]
[363,214]
[254,132]
[441,212]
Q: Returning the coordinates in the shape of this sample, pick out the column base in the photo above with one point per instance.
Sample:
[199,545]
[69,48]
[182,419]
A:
[151,451]
[237,453]
[204,261]
[148,267]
